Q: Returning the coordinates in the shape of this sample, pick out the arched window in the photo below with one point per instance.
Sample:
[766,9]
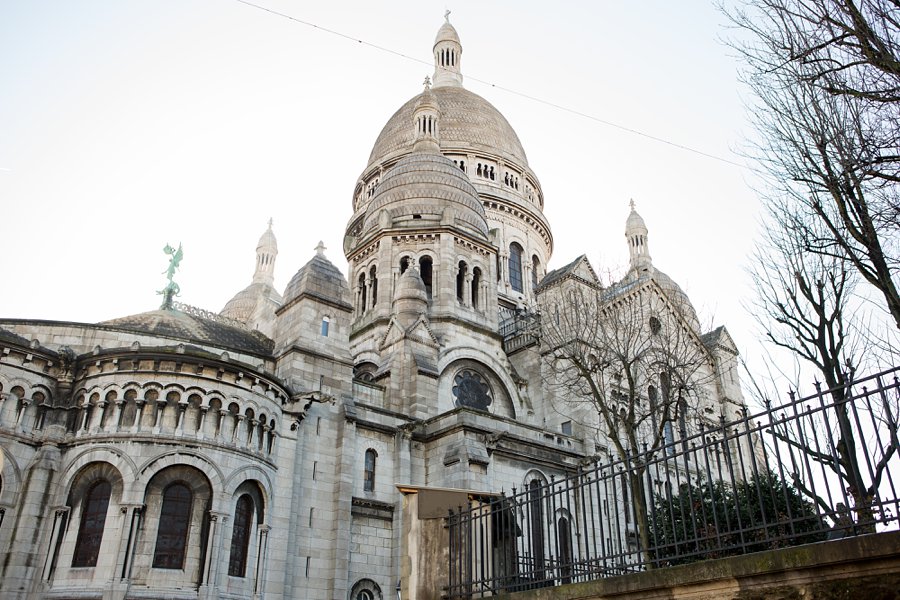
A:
[326,321]
[374,279]
[362,293]
[536,527]
[564,538]
[174,523]
[404,264]
[240,536]
[476,283]
[369,473]
[515,267]
[93,519]
[461,280]
[425,271]
[535,268]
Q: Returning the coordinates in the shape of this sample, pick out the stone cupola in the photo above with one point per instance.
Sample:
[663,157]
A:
[638,248]
[447,55]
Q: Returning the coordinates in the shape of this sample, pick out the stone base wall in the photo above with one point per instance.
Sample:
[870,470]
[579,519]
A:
[865,567]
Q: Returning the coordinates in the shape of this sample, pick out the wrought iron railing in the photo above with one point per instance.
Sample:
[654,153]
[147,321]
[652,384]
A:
[811,469]
[519,330]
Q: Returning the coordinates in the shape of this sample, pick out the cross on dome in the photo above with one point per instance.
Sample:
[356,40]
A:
[447,15]
[427,82]
[320,249]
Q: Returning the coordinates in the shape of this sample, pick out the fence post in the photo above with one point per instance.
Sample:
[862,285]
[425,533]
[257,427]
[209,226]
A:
[425,540]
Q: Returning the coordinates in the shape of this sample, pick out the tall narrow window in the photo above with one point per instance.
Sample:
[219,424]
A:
[535,267]
[461,281]
[515,267]
[374,279]
[536,525]
[93,519]
[369,474]
[476,283]
[240,536]
[425,271]
[174,523]
[325,323]
[362,293]
[564,538]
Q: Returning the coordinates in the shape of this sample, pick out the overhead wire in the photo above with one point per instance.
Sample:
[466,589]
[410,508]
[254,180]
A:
[554,105]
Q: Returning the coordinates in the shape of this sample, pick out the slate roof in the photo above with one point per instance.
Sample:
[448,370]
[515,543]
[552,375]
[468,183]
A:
[319,279]
[562,272]
[176,324]
[16,339]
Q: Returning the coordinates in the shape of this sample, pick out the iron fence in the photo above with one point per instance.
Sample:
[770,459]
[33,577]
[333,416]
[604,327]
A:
[810,469]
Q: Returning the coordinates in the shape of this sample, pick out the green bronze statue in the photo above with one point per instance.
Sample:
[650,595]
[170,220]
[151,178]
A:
[171,290]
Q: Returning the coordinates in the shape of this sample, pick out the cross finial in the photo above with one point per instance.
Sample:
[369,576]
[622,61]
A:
[631,204]
[320,249]
[447,15]
[427,82]
[270,222]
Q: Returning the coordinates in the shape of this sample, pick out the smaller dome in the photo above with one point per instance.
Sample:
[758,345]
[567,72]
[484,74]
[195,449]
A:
[245,303]
[422,189]
[410,286]
[677,295]
[635,223]
[320,279]
[447,33]
[267,240]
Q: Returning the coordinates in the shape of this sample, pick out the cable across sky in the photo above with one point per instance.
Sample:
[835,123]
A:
[554,105]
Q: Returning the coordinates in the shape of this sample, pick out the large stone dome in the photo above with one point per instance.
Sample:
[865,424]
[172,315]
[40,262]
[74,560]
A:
[468,122]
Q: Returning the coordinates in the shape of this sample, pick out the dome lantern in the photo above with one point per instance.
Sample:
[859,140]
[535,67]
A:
[266,251]
[447,55]
[426,117]
[636,234]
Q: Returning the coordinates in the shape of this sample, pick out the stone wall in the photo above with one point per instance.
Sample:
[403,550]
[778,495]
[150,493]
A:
[865,567]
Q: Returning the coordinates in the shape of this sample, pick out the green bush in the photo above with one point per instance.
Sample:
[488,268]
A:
[714,520]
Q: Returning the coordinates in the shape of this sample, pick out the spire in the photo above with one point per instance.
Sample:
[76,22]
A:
[447,55]
[636,234]
[426,119]
[266,251]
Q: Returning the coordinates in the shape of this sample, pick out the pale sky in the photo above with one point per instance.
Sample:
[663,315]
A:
[126,126]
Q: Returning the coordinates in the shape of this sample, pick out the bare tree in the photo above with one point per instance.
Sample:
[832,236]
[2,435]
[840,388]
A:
[630,361]
[804,304]
[826,77]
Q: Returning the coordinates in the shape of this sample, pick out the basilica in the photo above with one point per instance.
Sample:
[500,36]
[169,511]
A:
[256,452]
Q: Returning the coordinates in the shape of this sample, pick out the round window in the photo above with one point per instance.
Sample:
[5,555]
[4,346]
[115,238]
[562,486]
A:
[471,390]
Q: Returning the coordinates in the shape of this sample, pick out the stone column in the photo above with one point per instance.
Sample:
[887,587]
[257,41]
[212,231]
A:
[97,417]
[201,432]
[139,414]
[130,540]
[222,413]
[237,426]
[217,522]
[262,545]
[60,514]
[86,407]
[182,408]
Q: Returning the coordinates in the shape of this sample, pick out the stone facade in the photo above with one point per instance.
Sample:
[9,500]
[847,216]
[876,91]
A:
[256,452]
